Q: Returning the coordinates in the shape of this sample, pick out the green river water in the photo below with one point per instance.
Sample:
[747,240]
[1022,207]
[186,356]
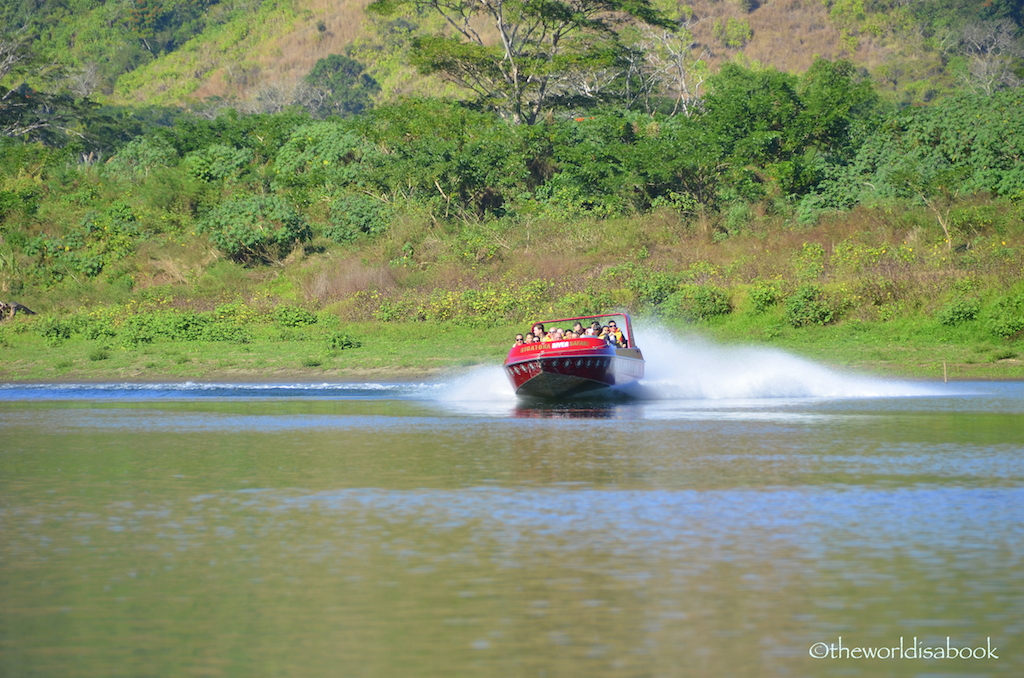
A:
[443,530]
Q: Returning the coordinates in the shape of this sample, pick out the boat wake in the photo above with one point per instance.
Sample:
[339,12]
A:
[695,369]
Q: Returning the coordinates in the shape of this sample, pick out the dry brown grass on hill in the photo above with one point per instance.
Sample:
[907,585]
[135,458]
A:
[787,35]
[338,279]
[284,61]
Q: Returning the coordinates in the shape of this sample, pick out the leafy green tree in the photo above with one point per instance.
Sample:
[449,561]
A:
[321,154]
[778,130]
[263,133]
[965,144]
[255,229]
[217,162]
[442,154]
[340,86]
[546,51]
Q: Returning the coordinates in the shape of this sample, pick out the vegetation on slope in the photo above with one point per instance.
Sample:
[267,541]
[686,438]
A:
[749,202]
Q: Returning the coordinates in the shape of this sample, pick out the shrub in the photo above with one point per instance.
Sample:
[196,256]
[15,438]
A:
[99,353]
[649,287]
[338,341]
[1007,316]
[810,306]
[137,330]
[217,162]
[136,159]
[763,296]
[698,302]
[98,327]
[184,326]
[959,311]
[54,331]
[294,316]
[255,229]
[355,215]
[226,332]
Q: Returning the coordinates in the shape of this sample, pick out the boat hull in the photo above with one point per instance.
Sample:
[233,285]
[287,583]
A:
[553,371]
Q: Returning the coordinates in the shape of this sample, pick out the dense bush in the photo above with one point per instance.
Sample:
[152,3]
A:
[217,162]
[140,156]
[1006,318]
[810,305]
[763,296]
[698,302]
[294,316]
[338,341]
[355,215]
[959,311]
[255,229]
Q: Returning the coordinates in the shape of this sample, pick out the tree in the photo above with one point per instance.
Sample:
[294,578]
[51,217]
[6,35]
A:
[673,65]
[543,50]
[340,86]
[992,50]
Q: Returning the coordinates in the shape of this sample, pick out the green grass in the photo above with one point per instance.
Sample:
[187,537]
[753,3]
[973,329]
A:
[389,350]
[423,350]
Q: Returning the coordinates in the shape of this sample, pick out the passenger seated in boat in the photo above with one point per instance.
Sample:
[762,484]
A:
[577,329]
[520,340]
[538,330]
[608,336]
[619,338]
[528,339]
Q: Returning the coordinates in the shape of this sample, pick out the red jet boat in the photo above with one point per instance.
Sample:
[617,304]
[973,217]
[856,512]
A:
[570,367]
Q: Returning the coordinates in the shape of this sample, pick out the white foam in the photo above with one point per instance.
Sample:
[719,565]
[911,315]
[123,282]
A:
[693,368]
[481,384]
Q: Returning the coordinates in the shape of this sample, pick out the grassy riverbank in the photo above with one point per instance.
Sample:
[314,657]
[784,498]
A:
[879,290]
[433,350]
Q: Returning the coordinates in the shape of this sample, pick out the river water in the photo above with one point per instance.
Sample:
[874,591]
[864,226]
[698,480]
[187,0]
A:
[745,513]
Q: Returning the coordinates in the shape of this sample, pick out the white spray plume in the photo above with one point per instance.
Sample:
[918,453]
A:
[692,368]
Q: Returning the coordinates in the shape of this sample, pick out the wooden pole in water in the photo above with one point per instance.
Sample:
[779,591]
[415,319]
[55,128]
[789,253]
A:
[945,380]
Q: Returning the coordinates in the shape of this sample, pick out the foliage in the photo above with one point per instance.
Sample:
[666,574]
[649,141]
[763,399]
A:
[775,126]
[443,155]
[959,311]
[547,53]
[217,162]
[1006,317]
[734,33]
[650,288]
[341,86]
[810,305]
[764,295]
[339,341]
[101,238]
[294,316]
[321,154]
[55,330]
[255,229]
[965,144]
[355,215]
[140,156]
[698,302]
[262,133]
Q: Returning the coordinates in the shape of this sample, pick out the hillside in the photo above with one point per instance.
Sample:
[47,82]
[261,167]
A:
[255,52]
[801,205]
